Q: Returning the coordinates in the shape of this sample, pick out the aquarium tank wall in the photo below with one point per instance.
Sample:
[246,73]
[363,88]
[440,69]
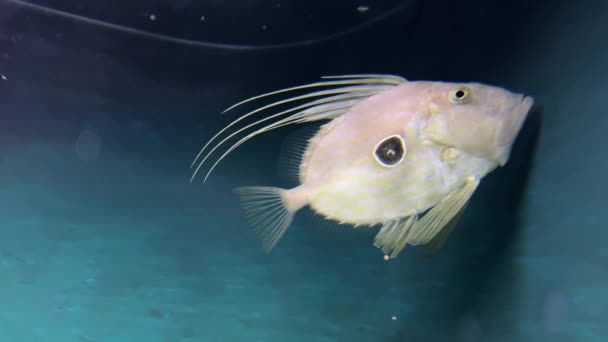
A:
[106,236]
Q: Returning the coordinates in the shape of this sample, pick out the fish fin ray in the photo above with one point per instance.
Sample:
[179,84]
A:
[432,247]
[334,102]
[383,239]
[379,76]
[440,216]
[333,110]
[265,210]
[332,227]
[393,235]
[335,80]
[292,152]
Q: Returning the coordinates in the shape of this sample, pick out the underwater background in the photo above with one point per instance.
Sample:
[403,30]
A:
[104,239]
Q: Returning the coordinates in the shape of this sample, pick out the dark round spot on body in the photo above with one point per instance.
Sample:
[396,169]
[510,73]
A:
[390,151]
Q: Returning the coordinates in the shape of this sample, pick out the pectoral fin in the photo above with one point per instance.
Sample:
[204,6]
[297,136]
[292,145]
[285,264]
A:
[432,247]
[442,217]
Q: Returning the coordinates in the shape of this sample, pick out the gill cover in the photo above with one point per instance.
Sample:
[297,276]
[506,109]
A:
[484,125]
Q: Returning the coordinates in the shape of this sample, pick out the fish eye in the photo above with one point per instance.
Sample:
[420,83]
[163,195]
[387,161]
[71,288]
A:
[390,151]
[460,95]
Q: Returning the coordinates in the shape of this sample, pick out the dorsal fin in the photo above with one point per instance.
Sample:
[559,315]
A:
[293,149]
[346,91]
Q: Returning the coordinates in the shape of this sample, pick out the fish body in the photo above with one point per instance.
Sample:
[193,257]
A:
[404,155]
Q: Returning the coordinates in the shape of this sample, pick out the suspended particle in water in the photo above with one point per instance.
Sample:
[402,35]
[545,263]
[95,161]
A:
[202,18]
[264,27]
[3,77]
[386,257]
[362,9]
[404,4]
[394,318]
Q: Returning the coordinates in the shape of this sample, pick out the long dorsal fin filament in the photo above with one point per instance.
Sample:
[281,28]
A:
[333,103]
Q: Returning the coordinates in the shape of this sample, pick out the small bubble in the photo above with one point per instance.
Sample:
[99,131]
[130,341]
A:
[362,9]
[152,17]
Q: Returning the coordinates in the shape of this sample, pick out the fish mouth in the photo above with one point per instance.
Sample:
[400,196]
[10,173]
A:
[520,113]
[516,117]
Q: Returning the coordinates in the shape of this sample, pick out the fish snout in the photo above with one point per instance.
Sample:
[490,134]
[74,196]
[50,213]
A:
[514,118]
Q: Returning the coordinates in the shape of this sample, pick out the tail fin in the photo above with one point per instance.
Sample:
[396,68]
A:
[268,211]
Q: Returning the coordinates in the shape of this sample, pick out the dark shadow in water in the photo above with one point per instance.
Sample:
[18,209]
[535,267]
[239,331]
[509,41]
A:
[476,266]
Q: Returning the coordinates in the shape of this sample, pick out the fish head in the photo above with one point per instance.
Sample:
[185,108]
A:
[478,119]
